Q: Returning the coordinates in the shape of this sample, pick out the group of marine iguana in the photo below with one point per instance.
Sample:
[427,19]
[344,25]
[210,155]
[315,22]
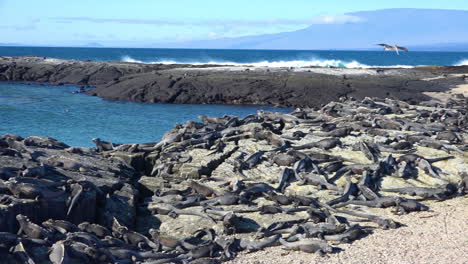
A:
[61,204]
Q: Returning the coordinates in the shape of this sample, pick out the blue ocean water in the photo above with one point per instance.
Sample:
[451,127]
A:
[287,58]
[54,111]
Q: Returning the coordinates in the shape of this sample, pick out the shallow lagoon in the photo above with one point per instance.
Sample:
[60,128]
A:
[54,111]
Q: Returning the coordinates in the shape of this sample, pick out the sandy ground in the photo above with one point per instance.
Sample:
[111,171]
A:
[444,96]
[461,89]
[436,236]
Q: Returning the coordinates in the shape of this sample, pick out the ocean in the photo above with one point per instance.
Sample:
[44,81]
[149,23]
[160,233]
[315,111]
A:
[273,58]
[54,111]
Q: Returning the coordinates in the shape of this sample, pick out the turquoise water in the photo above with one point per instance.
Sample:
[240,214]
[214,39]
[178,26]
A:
[285,58]
[75,119]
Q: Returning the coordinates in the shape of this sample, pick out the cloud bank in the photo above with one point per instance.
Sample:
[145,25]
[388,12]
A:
[337,19]
[324,19]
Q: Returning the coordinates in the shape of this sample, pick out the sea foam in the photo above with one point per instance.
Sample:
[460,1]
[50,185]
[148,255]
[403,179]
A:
[462,63]
[282,63]
[130,59]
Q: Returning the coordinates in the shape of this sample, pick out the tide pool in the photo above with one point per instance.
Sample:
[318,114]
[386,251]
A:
[54,111]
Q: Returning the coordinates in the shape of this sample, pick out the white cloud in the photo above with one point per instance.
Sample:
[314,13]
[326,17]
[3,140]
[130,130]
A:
[336,19]
[324,19]
[207,28]
[175,22]
[213,35]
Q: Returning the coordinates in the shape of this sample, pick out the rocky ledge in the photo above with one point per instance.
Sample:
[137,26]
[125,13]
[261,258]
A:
[215,84]
[310,180]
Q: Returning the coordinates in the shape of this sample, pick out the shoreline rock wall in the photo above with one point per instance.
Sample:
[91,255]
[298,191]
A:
[214,84]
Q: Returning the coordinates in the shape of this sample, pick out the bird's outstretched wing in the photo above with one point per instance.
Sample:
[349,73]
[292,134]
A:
[384,45]
[402,48]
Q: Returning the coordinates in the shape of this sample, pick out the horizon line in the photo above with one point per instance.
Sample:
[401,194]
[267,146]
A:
[253,49]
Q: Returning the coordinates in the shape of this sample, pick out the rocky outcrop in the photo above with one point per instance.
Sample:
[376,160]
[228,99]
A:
[209,84]
[208,190]
[382,142]
[45,179]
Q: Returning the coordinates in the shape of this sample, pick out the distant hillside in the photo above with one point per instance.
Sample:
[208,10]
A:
[420,28]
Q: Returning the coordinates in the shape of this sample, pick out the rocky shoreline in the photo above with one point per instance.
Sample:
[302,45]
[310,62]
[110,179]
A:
[243,85]
[310,180]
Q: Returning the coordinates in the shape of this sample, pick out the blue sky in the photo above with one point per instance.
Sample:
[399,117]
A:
[140,23]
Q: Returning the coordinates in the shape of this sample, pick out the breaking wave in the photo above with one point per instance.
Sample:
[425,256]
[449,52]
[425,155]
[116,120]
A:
[462,63]
[290,63]
[130,59]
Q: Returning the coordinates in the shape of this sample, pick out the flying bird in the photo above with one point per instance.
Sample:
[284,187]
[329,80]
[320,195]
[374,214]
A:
[395,48]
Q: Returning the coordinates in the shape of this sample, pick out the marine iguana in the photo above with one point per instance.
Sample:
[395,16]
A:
[308,245]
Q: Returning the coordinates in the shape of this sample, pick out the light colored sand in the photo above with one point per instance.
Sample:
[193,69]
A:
[463,89]
[444,96]
[437,236]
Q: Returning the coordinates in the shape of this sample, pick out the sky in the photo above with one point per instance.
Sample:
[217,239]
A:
[141,23]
